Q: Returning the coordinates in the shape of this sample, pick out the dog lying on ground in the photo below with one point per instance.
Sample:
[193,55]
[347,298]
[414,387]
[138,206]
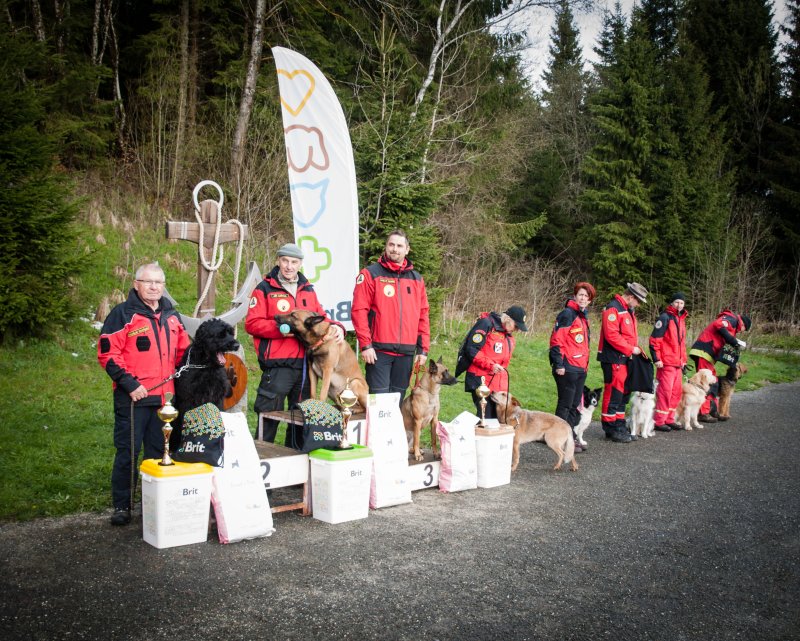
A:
[642,408]
[693,393]
[204,379]
[334,363]
[536,426]
[591,399]
[421,406]
[726,385]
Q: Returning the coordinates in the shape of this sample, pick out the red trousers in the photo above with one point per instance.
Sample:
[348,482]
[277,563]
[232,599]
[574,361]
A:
[614,397]
[668,393]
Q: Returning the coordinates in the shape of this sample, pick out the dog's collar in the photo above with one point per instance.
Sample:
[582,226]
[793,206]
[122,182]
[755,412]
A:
[700,387]
[317,344]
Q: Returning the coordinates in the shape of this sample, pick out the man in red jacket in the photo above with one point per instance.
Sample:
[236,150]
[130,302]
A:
[141,341]
[619,340]
[280,355]
[668,351]
[707,350]
[390,317]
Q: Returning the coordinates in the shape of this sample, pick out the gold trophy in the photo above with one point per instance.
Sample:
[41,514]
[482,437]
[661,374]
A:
[483,391]
[167,413]
[346,399]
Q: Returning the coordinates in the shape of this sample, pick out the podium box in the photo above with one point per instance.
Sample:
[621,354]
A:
[175,503]
[494,447]
[340,484]
[423,474]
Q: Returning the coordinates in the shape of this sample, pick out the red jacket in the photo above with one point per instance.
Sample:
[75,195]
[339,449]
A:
[268,299]
[712,339]
[569,342]
[618,332]
[668,339]
[390,309]
[486,344]
[139,346]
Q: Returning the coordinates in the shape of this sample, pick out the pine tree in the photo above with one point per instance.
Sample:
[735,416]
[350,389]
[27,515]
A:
[36,243]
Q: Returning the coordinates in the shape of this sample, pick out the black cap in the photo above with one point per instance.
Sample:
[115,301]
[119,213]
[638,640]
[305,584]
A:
[678,296]
[746,321]
[517,314]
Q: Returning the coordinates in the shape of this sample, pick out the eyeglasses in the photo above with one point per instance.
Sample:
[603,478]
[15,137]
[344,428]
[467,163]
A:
[154,283]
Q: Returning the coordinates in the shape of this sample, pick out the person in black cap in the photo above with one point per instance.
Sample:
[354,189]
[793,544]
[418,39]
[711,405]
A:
[707,350]
[668,351]
[280,355]
[619,340]
[486,353]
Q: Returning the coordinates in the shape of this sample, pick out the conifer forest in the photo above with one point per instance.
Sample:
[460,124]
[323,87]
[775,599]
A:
[671,159]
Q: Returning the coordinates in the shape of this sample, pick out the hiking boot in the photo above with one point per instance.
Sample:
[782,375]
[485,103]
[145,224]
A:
[675,427]
[723,418]
[620,437]
[663,428]
[706,418]
[578,447]
[121,516]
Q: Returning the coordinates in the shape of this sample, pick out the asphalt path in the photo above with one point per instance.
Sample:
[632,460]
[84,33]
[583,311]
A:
[683,536]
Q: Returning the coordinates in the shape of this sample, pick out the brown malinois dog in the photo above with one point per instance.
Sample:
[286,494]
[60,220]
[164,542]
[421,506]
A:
[335,363]
[421,406]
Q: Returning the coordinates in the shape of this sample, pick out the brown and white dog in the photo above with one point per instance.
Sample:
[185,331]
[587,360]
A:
[693,393]
[530,426]
[421,406]
[335,363]
[726,385]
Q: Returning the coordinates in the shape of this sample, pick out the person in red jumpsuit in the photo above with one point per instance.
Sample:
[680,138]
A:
[668,351]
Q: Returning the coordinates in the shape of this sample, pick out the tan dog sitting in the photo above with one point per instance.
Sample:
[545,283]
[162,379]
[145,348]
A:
[693,394]
[530,426]
[421,406]
[726,385]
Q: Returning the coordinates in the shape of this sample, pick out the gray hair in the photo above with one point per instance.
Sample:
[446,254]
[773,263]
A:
[149,267]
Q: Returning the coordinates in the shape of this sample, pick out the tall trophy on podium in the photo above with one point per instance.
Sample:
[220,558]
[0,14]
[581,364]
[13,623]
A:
[167,413]
[483,391]
[346,399]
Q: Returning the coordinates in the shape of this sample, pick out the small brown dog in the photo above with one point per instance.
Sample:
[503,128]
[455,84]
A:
[536,426]
[421,406]
[726,385]
[693,393]
[334,362]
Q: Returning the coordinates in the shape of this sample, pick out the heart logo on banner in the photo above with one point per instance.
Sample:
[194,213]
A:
[296,88]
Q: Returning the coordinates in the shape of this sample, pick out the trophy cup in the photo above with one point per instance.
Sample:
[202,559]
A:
[167,413]
[483,391]
[346,399]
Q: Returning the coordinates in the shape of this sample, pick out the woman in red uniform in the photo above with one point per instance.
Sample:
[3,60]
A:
[569,354]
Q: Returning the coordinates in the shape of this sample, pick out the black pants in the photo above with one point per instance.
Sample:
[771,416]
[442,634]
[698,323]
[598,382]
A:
[570,393]
[277,385]
[389,373]
[147,431]
[491,406]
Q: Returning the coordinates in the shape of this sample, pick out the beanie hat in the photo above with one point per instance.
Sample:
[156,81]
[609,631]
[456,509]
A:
[678,296]
[291,250]
[637,290]
[746,321]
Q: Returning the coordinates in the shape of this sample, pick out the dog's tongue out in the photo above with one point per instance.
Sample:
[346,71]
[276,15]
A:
[221,358]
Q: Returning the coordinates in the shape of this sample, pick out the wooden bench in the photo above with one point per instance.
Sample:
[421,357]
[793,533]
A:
[284,467]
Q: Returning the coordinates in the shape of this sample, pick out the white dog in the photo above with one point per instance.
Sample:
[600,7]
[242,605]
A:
[591,398]
[642,408]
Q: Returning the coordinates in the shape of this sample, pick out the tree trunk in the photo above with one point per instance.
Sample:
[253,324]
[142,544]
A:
[38,23]
[183,82]
[194,45]
[239,139]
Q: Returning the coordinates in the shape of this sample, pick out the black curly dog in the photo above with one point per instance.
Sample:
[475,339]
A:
[205,379]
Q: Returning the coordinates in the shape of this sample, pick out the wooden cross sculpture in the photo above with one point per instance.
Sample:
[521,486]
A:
[205,231]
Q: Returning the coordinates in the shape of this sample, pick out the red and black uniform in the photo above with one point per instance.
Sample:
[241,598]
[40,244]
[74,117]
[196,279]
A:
[390,315]
[668,345]
[618,338]
[139,346]
[487,344]
[569,350]
[708,348]
[280,356]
